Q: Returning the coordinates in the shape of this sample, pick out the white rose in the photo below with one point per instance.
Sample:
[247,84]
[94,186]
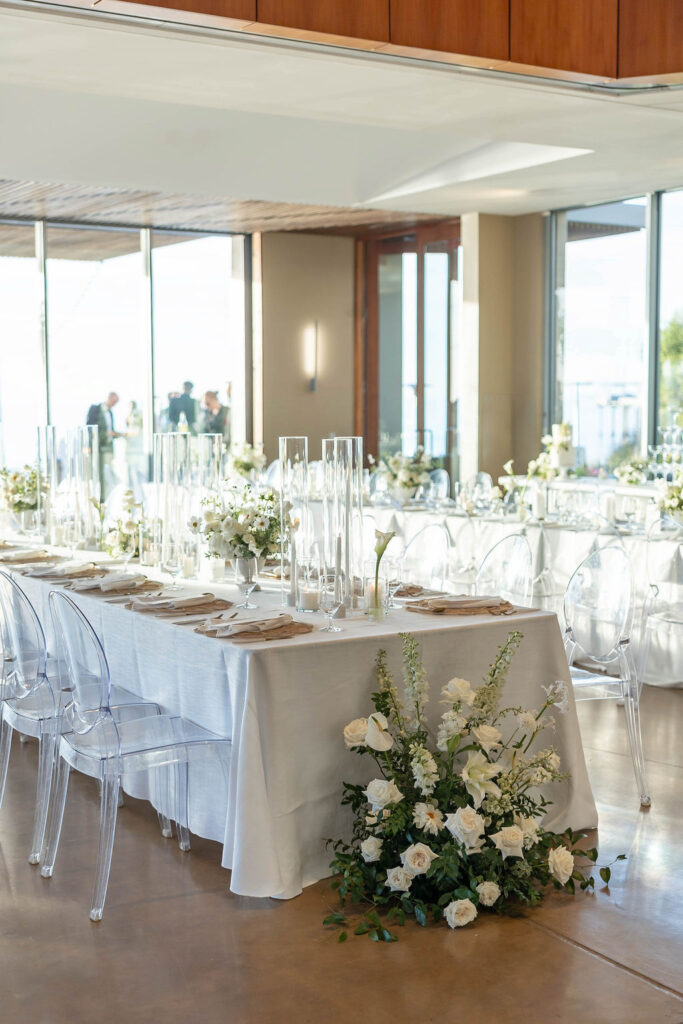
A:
[399,880]
[488,893]
[354,732]
[468,827]
[428,818]
[478,775]
[378,736]
[371,849]
[417,859]
[509,841]
[460,912]
[529,827]
[457,690]
[561,864]
[381,793]
[487,736]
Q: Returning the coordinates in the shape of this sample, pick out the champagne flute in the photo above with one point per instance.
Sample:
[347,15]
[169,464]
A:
[331,601]
[247,569]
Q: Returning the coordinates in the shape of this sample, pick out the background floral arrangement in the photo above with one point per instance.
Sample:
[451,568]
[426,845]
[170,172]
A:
[245,459]
[19,489]
[122,535]
[671,501]
[451,827]
[406,471]
[245,524]
[633,472]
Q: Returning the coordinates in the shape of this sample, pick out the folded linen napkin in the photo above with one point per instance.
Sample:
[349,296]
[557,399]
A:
[464,605]
[264,624]
[115,581]
[145,603]
[38,568]
[24,555]
[86,570]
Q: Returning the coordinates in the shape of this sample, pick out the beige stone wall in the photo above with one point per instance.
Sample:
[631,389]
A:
[306,278]
[498,362]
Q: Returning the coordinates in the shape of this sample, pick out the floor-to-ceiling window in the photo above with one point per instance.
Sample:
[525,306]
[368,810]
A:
[22,370]
[601,330]
[131,316]
[198,314]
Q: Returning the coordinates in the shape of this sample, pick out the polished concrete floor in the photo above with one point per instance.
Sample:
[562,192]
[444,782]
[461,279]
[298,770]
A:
[175,945]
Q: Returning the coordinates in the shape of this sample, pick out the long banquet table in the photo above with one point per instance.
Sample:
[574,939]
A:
[284,704]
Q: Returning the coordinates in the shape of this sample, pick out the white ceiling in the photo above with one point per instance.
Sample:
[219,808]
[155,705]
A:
[84,100]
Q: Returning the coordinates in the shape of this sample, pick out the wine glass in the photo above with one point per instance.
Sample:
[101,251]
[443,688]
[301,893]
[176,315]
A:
[331,601]
[394,570]
[125,548]
[172,561]
[247,570]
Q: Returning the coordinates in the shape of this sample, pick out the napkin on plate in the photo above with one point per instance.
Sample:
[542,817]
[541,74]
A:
[464,605]
[115,581]
[155,604]
[39,568]
[263,624]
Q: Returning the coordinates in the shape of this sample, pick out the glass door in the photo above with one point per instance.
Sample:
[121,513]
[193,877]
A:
[410,295]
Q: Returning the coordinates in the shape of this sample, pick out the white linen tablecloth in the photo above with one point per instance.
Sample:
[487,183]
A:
[284,705]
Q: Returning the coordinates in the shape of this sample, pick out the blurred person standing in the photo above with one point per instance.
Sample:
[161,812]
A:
[102,417]
[216,418]
[183,404]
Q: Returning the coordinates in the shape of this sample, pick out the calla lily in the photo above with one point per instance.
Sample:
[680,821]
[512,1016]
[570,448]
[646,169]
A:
[382,541]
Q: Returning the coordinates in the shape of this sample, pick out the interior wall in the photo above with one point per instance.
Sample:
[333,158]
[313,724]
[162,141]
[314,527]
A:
[306,278]
[500,357]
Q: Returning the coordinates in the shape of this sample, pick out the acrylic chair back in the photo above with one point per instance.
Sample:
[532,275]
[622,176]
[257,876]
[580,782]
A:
[598,603]
[23,640]
[665,564]
[505,570]
[439,485]
[426,557]
[85,670]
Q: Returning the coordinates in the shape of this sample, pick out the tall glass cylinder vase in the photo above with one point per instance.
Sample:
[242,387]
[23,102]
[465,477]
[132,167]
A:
[295,540]
[48,480]
[206,454]
[172,488]
[343,515]
[87,484]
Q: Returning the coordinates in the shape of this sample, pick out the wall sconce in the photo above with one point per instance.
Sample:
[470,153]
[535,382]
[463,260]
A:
[311,355]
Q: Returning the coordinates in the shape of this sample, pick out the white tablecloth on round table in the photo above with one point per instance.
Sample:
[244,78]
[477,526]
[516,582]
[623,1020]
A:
[284,705]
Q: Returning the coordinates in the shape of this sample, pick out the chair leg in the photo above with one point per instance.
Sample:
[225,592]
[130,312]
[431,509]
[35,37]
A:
[46,748]
[108,811]
[162,783]
[55,817]
[632,713]
[181,811]
[5,745]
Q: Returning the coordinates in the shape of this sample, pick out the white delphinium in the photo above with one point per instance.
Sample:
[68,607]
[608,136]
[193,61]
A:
[424,769]
[451,724]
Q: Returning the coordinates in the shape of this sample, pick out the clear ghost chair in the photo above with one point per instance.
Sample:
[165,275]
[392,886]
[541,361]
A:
[505,570]
[111,746]
[32,699]
[598,609]
[463,563]
[478,490]
[272,474]
[426,557]
[546,593]
[661,629]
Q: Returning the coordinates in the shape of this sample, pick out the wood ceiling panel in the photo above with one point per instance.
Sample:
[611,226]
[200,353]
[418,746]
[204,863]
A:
[650,37]
[129,208]
[479,29]
[364,19]
[573,35]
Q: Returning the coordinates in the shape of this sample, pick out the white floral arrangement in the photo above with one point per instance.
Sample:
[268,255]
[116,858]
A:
[245,459]
[244,524]
[671,500]
[452,826]
[406,472]
[19,489]
[121,537]
[632,473]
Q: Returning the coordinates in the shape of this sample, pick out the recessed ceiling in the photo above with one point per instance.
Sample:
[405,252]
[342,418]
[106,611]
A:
[92,101]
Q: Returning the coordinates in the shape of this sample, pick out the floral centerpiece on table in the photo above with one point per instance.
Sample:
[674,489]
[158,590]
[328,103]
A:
[671,500]
[245,523]
[405,473]
[633,472]
[245,459]
[122,535]
[19,489]
[452,826]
